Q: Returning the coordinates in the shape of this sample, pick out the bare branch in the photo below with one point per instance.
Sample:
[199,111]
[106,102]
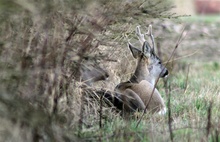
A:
[169,114]
[208,126]
[187,76]
[100,113]
[181,57]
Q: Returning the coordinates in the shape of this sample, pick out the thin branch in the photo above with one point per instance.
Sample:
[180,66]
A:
[181,57]
[181,37]
[169,114]
[100,113]
[81,109]
[208,126]
[187,76]
[216,135]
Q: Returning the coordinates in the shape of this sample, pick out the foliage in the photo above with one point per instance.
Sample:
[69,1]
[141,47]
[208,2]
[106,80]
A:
[43,46]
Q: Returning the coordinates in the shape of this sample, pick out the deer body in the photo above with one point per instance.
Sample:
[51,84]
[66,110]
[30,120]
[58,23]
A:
[136,95]
[136,92]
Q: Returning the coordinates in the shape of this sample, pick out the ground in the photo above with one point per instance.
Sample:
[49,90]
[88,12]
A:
[44,46]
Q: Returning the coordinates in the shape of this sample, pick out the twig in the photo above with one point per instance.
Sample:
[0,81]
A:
[187,76]
[216,135]
[167,91]
[100,113]
[181,37]
[188,127]
[100,118]
[208,126]
[181,57]
[72,33]
[169,114]
[81,109]
[74,29]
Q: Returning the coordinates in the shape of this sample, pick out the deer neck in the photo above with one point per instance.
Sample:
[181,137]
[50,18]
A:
[141,72]
[151,79]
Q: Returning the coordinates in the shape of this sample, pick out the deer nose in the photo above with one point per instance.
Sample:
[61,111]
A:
[165,73]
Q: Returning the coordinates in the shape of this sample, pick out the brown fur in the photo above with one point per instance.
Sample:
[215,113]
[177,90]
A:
[136,92]
[136,95]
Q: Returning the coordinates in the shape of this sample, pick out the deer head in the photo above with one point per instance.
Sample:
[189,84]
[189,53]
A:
[149,66]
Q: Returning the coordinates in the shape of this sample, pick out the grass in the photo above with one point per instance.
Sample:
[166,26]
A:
[188,111]
[41,54]
[202,18]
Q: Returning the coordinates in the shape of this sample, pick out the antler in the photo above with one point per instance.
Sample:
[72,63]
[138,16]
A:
[142,38]
[149,33]
[140,35]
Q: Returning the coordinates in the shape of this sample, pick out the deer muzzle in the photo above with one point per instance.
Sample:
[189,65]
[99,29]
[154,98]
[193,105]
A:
[164,73]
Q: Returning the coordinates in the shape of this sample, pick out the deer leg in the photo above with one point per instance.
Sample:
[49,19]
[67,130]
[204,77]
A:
[157,103]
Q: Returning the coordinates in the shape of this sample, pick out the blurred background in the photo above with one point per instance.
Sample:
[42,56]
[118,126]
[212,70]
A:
[197,7]
[55,55]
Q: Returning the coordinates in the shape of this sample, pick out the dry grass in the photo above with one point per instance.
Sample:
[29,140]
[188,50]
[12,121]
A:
[44,44]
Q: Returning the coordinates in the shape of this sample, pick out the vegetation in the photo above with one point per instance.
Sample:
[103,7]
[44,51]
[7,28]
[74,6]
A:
[43,45]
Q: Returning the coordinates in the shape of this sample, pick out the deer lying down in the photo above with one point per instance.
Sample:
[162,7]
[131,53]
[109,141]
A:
[88,74]
[133,95]
[137,91]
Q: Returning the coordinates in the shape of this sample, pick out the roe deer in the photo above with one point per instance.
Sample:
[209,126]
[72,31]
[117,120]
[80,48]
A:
[89,74]
[136,92]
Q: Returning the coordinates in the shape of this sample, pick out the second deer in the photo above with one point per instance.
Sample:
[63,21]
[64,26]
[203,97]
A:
[89,73]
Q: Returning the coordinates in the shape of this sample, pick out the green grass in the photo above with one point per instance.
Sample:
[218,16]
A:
[41,48]
[202,18]
[188,110]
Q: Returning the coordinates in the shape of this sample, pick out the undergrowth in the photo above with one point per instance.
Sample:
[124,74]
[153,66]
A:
[46,45]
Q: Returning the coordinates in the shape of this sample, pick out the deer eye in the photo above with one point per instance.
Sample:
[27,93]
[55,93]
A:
[159,62]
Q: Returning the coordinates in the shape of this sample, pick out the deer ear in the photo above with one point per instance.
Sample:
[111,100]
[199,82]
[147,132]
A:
[135,52]
[146,49]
